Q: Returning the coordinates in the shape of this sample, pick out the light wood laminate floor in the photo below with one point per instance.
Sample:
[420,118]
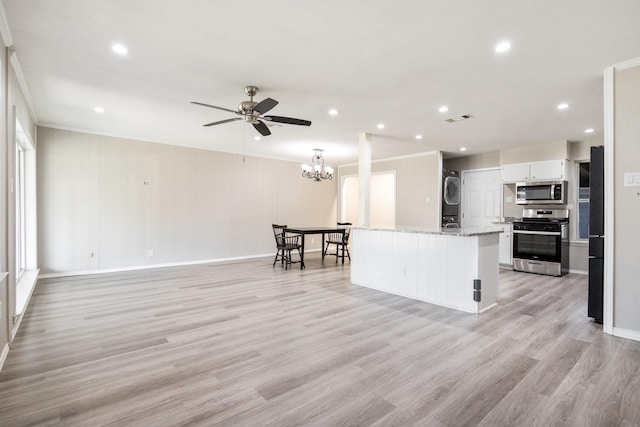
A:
[245,344]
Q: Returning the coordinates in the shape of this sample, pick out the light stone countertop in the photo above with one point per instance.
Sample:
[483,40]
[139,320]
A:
[464,232]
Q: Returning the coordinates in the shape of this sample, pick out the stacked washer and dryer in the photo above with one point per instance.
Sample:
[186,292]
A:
[450,198]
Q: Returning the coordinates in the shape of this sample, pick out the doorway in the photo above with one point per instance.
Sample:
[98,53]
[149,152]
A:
[383,199]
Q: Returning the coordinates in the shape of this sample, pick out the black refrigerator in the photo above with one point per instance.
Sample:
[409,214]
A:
[596,233]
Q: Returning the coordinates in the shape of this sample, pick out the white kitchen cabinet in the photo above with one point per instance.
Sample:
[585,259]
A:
[505,243]
[517,172]
[550,170]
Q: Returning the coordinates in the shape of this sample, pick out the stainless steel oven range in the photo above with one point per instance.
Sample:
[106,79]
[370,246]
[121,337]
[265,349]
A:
[541,242]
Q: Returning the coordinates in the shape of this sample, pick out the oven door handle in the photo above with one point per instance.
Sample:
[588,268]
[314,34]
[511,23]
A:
[543,233]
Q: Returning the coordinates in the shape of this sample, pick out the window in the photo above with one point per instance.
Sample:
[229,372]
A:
[21,235]
[24,189]
[583,201]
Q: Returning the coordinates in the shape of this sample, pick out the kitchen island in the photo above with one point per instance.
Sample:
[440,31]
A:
[440,266]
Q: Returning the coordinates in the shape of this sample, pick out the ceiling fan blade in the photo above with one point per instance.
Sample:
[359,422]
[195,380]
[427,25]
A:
[265,105]
[288,120]
[213,106]
[223,121]
[262,128]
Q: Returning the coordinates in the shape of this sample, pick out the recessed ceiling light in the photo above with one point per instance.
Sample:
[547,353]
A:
[590,130]
[503,46]
[563,106]
[443,109]
[418,136]
[380,126]
[257,138]
[120,49]
[463,148]
[333,112]
[99,110]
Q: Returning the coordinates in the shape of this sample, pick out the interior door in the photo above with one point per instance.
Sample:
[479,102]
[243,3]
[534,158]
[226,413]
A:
[480,197]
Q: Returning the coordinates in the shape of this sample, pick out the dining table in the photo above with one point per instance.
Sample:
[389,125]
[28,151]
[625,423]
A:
[303,231]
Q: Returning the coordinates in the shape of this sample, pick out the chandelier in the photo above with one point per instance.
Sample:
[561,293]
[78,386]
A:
[317,171]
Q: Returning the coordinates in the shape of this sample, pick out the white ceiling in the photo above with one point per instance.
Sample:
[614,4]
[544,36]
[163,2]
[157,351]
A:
[388,61]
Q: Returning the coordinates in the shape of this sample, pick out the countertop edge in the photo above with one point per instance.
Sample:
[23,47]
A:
[461,232]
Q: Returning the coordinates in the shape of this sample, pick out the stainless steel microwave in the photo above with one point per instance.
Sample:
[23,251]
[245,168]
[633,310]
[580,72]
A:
[541,193]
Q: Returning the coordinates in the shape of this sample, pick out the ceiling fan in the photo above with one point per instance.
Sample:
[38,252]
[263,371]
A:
[252,112]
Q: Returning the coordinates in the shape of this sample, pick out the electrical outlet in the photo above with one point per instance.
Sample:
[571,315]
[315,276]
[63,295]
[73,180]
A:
[150,252]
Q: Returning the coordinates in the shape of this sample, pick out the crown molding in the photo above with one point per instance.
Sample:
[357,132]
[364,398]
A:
[407,156]
[23,85]
[4,27]
[631,63]
[7,39]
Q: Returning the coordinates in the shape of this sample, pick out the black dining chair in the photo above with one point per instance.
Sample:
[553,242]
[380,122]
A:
[285,243]
[341,240]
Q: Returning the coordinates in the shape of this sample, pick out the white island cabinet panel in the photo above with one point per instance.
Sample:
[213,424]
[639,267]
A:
[360,249]
[429,269]
[383,276]
[462,259]
[437,266]
[375,248]
[405,263]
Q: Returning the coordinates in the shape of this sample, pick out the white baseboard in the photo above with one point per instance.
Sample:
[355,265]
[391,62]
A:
[626,333]
[146,267]
[578,271]
[3,356]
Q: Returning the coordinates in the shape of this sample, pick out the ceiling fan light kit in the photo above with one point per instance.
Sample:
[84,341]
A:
[459,118]
[253,112]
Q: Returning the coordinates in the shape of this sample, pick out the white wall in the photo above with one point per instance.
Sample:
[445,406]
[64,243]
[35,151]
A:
[106,203]
[4,224]
[535,152]
[477,161]
[417,187]
[626,268]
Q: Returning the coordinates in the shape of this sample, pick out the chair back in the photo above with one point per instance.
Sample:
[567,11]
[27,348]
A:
[279,234]
[347,231]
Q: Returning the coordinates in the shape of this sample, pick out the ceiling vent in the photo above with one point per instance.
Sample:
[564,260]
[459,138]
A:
[459,118]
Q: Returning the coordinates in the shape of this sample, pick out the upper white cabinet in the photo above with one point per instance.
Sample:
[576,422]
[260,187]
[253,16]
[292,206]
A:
[515,173]
[549,170]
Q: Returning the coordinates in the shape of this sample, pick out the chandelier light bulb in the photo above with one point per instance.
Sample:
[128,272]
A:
[317,170]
